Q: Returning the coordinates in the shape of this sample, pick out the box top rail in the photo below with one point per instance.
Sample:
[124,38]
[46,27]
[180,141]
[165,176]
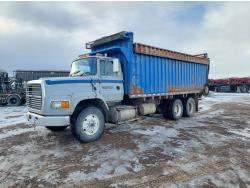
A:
[160,52]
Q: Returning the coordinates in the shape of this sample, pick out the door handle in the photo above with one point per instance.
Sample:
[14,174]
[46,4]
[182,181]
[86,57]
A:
[118,87]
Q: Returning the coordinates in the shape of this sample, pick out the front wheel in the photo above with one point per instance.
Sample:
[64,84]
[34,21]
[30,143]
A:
[56,128]
[89,125]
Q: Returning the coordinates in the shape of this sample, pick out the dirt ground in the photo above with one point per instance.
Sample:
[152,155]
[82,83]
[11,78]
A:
[211,149]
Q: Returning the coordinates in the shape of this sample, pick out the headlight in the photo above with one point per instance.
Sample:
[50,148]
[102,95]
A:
[59,104]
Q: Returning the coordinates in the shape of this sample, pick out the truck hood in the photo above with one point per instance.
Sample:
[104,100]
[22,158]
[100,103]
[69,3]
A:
[68,85]
[68,80]
[72,89]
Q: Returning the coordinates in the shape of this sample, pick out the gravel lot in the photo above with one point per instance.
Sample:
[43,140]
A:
[211,149]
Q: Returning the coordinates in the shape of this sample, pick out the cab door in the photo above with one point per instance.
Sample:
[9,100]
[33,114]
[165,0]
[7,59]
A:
[111,81]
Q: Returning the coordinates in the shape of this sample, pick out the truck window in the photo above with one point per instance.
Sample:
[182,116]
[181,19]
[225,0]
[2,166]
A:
[106,68]
[83,66]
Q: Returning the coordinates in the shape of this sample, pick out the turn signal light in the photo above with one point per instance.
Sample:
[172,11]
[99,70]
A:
[64,104]
[60,104]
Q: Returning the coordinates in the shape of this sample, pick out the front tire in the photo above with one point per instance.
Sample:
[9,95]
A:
[89,125]
[56,128]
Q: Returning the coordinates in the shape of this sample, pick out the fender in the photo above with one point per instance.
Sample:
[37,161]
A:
[98,102]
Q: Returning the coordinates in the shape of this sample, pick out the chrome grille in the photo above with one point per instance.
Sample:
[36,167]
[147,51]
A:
[34,96]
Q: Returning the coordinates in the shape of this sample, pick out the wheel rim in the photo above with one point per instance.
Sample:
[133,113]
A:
[244,89]
[13,101]
[91,124]
[177,109]
[206,90]
[190,107]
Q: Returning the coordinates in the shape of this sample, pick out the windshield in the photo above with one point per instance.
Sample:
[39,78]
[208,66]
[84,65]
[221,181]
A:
[82,67]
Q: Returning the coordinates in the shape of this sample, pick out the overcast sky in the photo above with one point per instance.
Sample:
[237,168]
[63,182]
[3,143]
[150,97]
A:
[49,35]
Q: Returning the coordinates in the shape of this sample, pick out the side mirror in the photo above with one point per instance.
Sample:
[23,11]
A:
[116,65]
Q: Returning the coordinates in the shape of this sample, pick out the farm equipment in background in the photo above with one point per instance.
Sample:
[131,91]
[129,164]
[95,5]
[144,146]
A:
[234,84]
[13,89]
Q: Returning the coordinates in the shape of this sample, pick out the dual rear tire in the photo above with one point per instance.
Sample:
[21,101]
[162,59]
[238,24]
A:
[189,107]
[176,108]
[173,109]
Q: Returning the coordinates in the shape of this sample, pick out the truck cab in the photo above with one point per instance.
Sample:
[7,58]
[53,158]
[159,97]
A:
[106,72]
[105,75]
[95,83]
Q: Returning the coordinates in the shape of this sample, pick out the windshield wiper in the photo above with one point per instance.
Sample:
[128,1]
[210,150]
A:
[75,73]
[80,73]
[85,74]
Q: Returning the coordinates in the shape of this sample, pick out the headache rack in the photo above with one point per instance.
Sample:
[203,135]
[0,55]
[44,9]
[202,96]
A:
[118,36]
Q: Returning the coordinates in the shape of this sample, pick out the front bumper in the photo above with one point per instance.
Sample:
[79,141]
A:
[47,121]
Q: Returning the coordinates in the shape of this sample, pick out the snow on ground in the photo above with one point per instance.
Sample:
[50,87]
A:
[244,132]
[229,179]
[149,136]
[12,115]
[156,136]
[216,98]
[18,131]
[109,161]
[132,147]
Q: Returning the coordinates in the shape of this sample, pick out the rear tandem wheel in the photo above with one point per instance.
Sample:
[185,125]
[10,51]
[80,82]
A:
[173,109]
